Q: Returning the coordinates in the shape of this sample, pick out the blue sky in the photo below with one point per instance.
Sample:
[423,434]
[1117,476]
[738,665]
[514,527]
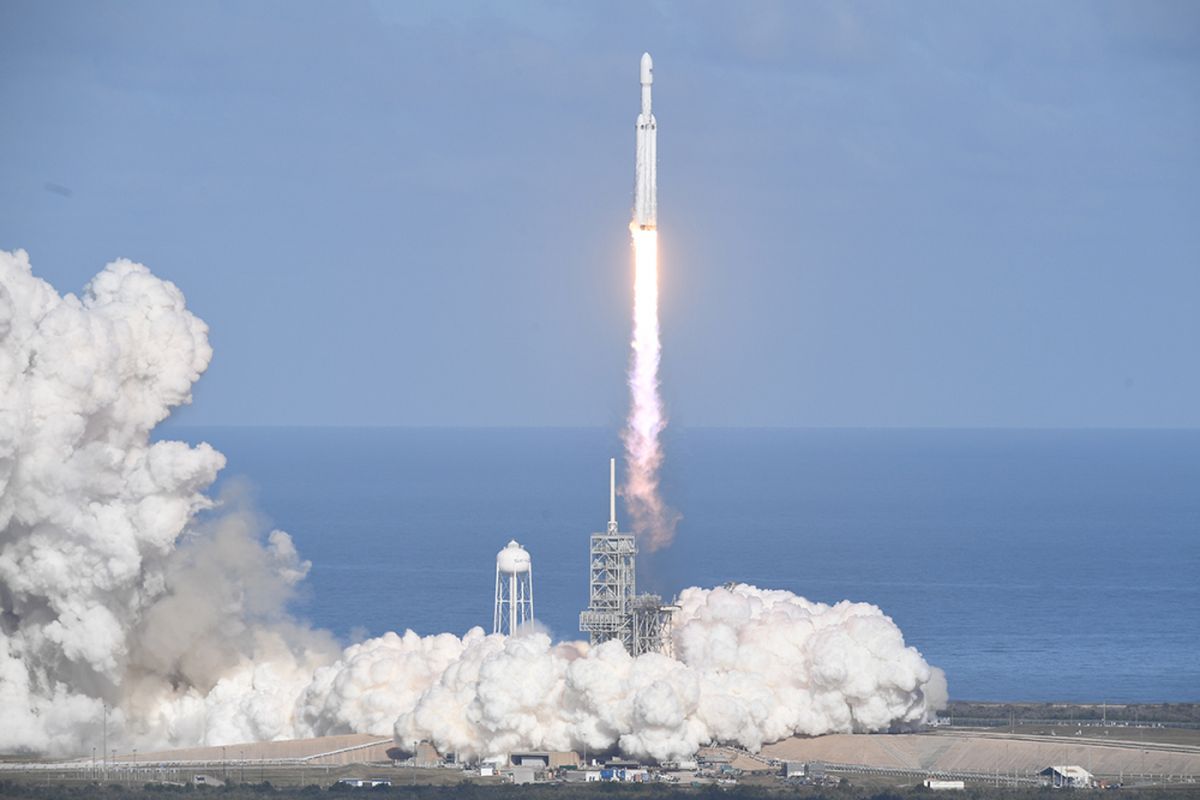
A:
[871,214]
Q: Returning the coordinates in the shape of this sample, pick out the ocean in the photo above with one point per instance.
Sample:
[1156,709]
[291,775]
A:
[1029,565]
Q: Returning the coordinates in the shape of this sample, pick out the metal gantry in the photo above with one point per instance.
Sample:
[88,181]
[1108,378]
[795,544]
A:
[615,610]
[612,580]
[653,625]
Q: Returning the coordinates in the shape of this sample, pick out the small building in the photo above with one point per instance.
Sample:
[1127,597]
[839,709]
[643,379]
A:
[535,760]
[794,769]
[1067,776]
[581,775]
[942,786]
[487,770]
[523,775]
[623,770]
[544,759]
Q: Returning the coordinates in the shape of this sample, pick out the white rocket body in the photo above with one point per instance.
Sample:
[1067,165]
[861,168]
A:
[645,190]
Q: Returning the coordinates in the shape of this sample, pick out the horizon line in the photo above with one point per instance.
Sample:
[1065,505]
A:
[999,428]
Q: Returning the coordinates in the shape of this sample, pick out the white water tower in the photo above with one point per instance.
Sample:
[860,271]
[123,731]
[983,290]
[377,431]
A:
[514,589]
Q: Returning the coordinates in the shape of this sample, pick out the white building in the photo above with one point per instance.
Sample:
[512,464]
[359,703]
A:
[1067,776]
[942,786]
[581,775]
[523,775]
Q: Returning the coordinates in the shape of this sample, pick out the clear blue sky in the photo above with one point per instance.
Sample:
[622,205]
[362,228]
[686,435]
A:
[875,214]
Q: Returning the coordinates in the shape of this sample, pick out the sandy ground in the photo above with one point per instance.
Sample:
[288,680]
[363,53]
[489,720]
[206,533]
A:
[945,750]
[348,749]
[990,752]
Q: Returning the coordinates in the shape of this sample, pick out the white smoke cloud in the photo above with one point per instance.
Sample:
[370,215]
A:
[123,584]
[110,592]
[753,666]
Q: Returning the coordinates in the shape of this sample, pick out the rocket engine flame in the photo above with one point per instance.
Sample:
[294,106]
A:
[653,521]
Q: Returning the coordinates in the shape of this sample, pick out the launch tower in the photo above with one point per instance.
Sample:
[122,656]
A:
[615,611]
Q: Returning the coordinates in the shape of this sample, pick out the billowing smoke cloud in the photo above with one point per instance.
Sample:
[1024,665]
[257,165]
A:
[110,593]
[124,584]
[653,521]
[753,666]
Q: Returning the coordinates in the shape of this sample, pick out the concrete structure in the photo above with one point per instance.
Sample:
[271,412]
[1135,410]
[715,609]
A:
[615,610]
[942,786]
[514,589]
[523,775]
[544,759]
[1067,777]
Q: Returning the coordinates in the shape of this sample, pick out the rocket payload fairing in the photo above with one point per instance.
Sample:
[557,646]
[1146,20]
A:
[645,188]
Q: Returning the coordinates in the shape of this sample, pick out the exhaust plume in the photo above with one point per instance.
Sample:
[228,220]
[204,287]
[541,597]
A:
[111,591]
[653,521]
[753,666]
[127,591]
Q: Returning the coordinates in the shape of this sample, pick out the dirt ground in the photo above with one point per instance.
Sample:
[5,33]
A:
[1183,736]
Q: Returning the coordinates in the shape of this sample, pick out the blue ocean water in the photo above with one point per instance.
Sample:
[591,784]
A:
[1030,565]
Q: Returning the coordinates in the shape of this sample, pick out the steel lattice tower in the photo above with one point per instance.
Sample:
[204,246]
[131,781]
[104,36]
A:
[615,609]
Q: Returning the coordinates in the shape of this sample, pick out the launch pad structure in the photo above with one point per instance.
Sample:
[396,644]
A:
[641,622]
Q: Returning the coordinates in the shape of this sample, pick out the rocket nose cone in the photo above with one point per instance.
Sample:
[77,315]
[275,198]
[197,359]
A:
[647,68]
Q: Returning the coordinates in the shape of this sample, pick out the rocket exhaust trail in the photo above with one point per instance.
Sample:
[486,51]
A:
[653,521]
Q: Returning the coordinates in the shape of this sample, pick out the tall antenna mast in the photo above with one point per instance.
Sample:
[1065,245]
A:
[612,494]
